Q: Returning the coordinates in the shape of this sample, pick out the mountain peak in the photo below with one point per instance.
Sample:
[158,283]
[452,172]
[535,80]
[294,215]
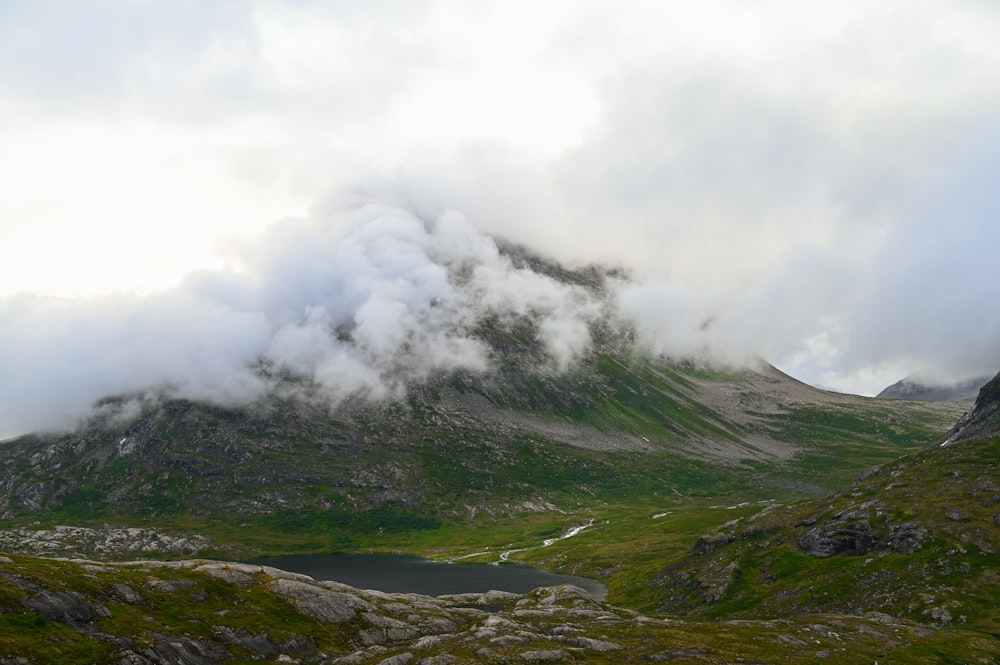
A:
[915,387]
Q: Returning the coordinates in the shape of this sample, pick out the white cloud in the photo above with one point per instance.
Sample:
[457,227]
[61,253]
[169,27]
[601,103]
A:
[355,305]
[808,182]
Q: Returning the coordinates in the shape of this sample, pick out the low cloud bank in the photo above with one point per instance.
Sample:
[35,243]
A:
[361,300]
[357,304]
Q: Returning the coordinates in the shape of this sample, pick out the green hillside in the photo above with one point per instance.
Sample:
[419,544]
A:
[460,457]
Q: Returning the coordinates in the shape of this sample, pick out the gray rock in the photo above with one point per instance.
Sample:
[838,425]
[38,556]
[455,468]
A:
[443,659]
[437,626]
[298,644]
[564,594]
[127,594]
[717,581]
[906,538]
[20,582]
[387,635]
[882,618]
[67,607]
[940,615]
[590,643]
[712,542]
[495,597]
[542,655]
[168,586]
[837,537]
[380,621]
[360,656]
[508,640]
[261,643]
[399,659]
[565,630]
[986,485]
[321,604]
[490,656]
[428,642]
[235,573]
[185,651]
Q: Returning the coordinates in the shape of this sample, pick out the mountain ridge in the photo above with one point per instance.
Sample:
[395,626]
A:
[180,457]
[914,387]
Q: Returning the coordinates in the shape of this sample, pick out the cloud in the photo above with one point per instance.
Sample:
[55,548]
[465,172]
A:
[808,183]
[60,356]
[356,305]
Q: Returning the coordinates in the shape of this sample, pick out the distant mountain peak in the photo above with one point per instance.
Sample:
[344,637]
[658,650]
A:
[915,387]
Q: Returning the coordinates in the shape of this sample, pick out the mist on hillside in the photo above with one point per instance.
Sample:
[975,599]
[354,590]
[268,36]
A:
[357,302]
[810,185]
[355,305]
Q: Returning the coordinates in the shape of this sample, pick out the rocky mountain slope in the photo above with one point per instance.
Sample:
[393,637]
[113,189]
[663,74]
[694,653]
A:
[916,538]
[983,419]
[460,448]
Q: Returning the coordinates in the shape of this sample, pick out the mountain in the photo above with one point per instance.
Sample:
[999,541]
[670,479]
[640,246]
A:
[872,573]
[554,405]
[915,539]
[667,462]
[913,387]
[617,427]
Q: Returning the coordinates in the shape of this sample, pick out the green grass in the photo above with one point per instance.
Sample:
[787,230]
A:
[49,642]
[206,603]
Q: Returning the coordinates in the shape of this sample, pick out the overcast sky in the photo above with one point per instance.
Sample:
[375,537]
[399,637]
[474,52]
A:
[188,186]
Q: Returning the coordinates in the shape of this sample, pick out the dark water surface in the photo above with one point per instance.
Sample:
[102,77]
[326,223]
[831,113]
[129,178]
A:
[395,573]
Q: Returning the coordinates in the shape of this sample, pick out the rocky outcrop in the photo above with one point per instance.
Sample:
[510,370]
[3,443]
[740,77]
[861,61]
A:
[210,613]
[907,538]
[83,541]
[67,607]
[322,604]
[184,651]
[982,420]
[838,537]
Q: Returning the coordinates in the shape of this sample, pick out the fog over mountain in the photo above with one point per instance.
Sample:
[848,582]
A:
[191,190]
[356,305]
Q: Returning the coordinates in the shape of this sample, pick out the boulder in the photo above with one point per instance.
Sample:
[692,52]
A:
[906,538]
[836,537]
[321,604]
[185,651]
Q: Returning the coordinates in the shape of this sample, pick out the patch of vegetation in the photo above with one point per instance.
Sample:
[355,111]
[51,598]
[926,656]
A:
[931,562]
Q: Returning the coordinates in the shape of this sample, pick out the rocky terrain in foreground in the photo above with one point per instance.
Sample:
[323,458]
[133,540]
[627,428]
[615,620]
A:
[205,612]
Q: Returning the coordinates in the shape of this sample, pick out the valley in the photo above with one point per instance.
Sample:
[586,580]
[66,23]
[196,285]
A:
[697,511]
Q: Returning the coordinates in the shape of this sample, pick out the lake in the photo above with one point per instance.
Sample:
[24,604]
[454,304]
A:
[394,573]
